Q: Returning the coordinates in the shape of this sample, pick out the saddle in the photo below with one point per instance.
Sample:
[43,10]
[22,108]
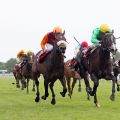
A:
[88,51]
[72,63]
[41,56]
[116,63]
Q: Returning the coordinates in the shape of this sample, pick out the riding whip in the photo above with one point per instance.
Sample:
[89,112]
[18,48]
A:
[76,40]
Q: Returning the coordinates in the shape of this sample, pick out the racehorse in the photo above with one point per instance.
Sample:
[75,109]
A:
[70,73]
[18,77]
[23,71]
[116,71]
[26,70]
[98,64]
[52,68]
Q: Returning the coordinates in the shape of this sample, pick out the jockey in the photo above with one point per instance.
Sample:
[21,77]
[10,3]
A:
[98,33]
[29,54]
[47,41]
[82,48]
[20,55]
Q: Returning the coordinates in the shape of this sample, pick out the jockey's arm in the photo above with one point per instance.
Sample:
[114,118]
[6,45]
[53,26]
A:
[44,41]
[94,36]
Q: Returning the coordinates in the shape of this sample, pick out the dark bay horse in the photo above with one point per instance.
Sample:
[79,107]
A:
[23,72]
[26,70]
[99,65]
[71,74]
[52,68]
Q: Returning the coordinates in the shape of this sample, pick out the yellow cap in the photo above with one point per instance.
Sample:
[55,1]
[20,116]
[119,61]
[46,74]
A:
[104,28]
[27,52]
[57,29]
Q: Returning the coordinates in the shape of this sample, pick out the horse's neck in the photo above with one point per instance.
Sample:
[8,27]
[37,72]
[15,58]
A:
[105,55]
[56,59]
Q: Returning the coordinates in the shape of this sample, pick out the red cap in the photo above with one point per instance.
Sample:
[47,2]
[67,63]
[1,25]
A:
[84,44]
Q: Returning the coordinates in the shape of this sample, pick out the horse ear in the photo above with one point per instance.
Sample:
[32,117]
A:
[112,31]
[55,34]
[63,32]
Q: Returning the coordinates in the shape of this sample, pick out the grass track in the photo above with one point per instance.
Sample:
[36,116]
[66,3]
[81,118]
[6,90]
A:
[17,105]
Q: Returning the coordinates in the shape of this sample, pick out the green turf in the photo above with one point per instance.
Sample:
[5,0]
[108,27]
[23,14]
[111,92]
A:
[17,105]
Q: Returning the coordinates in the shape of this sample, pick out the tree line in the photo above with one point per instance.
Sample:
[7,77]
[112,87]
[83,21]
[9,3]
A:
[8,65]
[12,61]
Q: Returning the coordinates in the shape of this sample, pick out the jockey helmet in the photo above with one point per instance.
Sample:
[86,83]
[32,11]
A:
[57,29]
[20,53]
[104,28]
[27,52]
[84,44]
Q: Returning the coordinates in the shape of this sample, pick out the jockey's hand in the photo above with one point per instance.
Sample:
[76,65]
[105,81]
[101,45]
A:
[100,42]
[44,50]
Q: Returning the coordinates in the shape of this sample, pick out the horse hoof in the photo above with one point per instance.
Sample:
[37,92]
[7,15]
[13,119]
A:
[62,94]
[112,98]
[118,89]
[88,98]
[37,99]
[18,86]
[91,94]
[97,105]
[53,102]
[69,95]
[43,97]
[33,89]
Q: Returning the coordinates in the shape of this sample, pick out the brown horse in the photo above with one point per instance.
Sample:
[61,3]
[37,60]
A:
[99,65]
[52,68]
[26,70]
[116,71]
[69,74]
[23,72]
[18,77]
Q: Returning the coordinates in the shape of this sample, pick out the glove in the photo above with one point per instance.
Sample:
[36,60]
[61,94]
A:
[100,42]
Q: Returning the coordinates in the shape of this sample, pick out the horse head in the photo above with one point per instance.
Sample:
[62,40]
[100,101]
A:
[60,42]
[109,43]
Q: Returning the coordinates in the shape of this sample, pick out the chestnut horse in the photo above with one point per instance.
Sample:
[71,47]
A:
[69,74]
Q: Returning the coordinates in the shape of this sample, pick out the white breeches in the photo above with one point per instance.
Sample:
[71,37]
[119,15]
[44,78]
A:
[48,47]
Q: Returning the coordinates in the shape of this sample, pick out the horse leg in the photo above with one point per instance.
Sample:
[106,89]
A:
[37,93]
[93,93]
[79,85]
[112,97]
[96,101]
[22,84]
[17,83]
[63,82]
[33,89]
[53,101]
[88,88]
[46,90]
[68,84]
[73,84]
[27,86]
[96,83]
[118,89]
